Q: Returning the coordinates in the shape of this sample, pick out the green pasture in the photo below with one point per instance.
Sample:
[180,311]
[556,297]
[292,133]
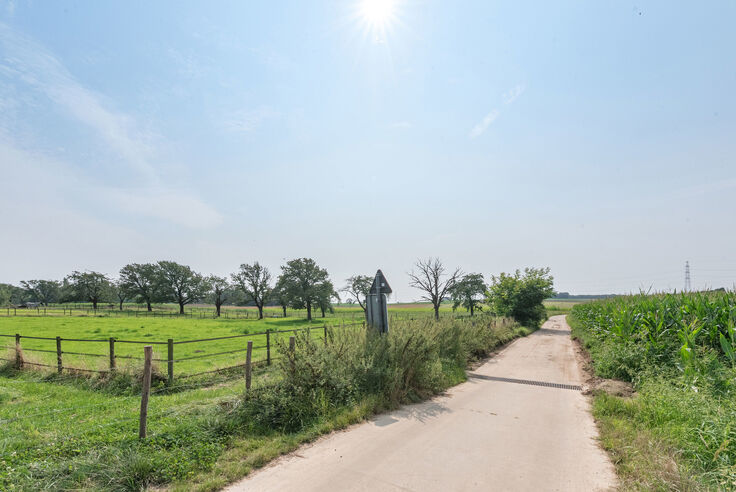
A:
[130,310]
[56,424]
[155,331]
[202,356]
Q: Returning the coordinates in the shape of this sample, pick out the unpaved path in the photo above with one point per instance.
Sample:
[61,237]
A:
[485,434]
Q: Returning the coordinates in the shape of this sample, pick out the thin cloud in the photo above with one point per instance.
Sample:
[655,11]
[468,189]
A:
[29,62]
[246,121]
[513,94]
[54,181]
[508,97]
[483,125]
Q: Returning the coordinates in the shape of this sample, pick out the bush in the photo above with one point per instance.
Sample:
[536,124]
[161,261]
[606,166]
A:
[414,361]
[520,295]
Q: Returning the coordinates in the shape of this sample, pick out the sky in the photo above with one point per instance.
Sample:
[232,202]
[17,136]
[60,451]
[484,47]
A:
[594,138]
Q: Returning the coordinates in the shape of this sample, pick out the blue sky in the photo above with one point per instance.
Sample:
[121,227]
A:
[596,138]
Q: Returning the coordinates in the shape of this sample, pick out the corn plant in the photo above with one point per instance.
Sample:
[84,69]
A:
[729,344]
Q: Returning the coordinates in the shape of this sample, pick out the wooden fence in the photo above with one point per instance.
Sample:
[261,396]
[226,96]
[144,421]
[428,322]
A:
[170,344]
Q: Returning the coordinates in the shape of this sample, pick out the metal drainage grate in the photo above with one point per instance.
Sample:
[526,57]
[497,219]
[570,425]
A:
[575,387]
[549,331]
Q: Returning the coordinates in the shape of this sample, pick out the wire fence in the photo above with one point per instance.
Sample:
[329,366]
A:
[176,366]
[171,312]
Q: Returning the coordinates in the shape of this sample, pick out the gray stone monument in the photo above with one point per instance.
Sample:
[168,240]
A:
[376,309]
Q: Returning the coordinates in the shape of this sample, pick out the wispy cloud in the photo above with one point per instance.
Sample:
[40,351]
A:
[512,94]
[28,63]
[508,97]
[483,124]
[247,120]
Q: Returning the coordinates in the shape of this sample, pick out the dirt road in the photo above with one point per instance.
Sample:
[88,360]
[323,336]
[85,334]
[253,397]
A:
[502,430]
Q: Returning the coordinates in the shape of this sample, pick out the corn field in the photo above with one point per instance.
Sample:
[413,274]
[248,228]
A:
[679,325]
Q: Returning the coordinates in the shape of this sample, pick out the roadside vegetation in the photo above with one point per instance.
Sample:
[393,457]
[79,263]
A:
[679,351]
[67,433]
[70,388]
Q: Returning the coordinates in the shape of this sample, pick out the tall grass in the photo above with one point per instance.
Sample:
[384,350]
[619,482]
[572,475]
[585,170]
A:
[677,349]
[63,433]
[414,361]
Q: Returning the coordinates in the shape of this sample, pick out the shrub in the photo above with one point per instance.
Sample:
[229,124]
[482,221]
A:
[520,295]
[414,361]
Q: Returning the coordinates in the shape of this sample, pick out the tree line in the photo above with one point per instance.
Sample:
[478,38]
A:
[302,284]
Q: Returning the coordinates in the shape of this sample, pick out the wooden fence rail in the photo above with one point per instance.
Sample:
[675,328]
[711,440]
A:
[170,360]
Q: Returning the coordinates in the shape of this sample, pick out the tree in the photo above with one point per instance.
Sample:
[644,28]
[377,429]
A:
[303,283]
[89,286]
[357,288]
[520,295]
[6,293]
[433,281]
[326,292]
[120,293]
[220,291]
[468,292]
[43,291]
[17,295]
[180,283]
[254,280]
[140,281]
[279,294]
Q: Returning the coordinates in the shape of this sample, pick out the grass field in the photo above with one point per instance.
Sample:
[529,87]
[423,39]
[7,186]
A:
[66,432]
[158,330]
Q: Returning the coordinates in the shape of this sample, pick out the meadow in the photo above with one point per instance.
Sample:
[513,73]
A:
[678,351]
[72,324]
[63,431]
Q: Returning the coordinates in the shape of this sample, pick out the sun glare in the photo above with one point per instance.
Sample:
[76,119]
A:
[377,13]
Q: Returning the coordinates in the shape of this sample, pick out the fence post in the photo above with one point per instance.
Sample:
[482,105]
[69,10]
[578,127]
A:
[247,364]
[112,354]
[143,423]
[59,365]
[18,357]
[325,327]
[268,347]
[170,359]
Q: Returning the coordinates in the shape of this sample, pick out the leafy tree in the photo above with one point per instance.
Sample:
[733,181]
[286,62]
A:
[279,295]
[43,291]
[6,293]
[89,286]
[180,283]
[520,295]
[468,292]
[357,288]
[18,295]
[254,280]
[326,292]
[140,281]
[219,291]
[433,281]
[303,283]
[119,292]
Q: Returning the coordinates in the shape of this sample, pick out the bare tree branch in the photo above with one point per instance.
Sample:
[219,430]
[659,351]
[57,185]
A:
[431,278]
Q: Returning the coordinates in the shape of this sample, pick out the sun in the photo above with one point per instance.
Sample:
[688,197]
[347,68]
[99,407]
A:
[378,14]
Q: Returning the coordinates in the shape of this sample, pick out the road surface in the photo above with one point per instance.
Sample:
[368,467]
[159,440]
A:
[501,430]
